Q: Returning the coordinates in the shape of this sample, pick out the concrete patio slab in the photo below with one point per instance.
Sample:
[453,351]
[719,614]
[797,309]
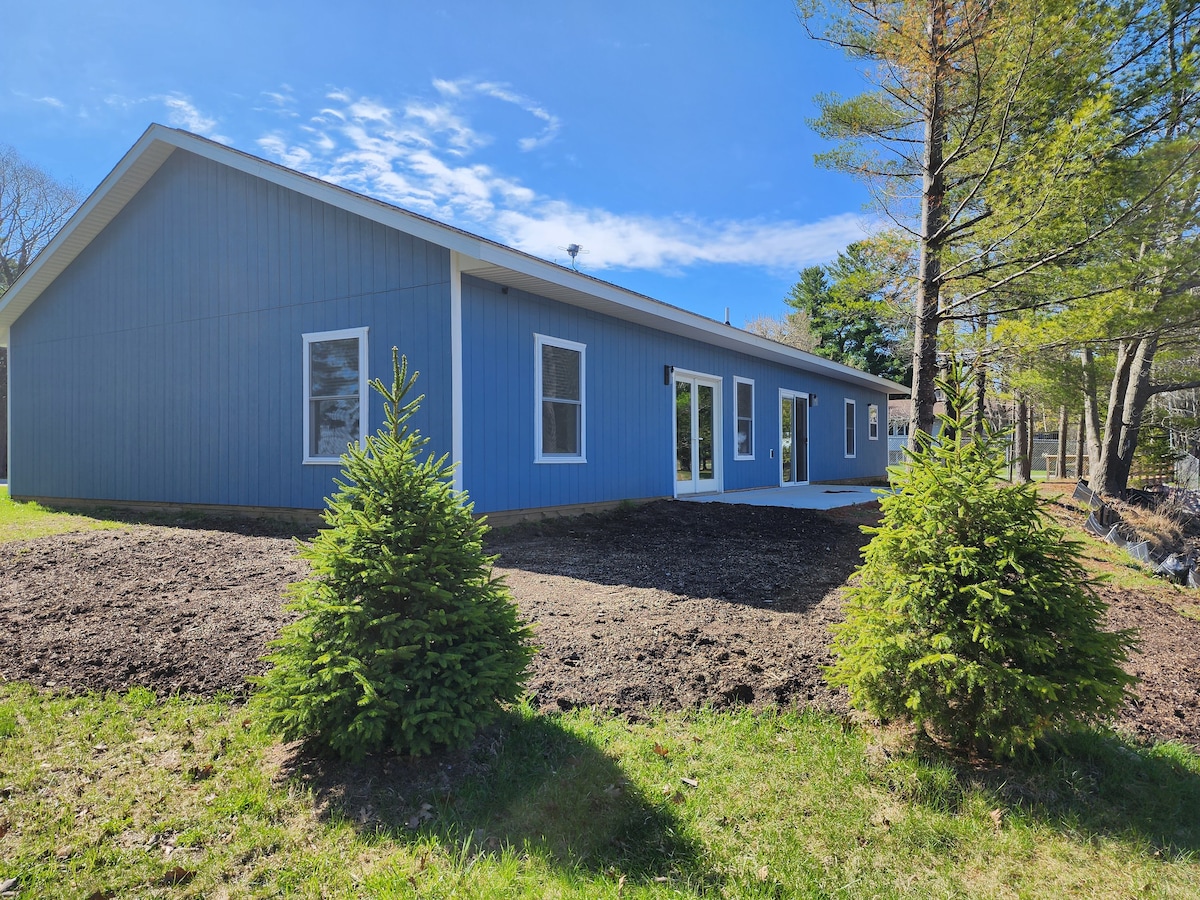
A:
[801,496]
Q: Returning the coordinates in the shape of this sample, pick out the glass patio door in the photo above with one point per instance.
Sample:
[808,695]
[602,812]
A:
[793,438]
[697,434]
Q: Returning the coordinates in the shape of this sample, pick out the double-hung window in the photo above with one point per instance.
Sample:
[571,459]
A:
[873,421]
[559,373]
[335,393]
[744,406]
[851,437]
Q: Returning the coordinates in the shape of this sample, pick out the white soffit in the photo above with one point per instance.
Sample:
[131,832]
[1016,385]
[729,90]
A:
[480,257]
[122,183]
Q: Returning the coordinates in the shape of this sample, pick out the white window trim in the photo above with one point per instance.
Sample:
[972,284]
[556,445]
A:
[541,340]
[850,413]
[737,379]
[317,337]
[870,436]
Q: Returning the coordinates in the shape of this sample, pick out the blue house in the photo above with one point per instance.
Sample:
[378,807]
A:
[203,331]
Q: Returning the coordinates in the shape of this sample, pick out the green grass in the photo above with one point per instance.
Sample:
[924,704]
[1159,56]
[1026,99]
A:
[127,795]
[25,521]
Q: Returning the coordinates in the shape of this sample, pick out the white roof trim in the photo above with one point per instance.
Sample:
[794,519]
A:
[479,256]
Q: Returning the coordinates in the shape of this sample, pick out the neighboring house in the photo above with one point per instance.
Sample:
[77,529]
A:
[203,330]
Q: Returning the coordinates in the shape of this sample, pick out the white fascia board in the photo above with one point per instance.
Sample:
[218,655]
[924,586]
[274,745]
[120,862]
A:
[557,282]
[101,207]
[577,289]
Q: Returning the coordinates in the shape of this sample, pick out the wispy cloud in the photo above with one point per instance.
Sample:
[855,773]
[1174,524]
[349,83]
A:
[280,103]
[424,156]
[551,123]
[182,113]
[47,100]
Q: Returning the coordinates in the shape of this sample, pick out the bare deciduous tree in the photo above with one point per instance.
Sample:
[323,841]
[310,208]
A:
[793,329]
[33,207]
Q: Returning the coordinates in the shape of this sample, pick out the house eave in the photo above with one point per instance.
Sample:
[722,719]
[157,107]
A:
[480,257]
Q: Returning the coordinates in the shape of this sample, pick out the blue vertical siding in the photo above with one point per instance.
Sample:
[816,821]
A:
[165,363]
[629,409]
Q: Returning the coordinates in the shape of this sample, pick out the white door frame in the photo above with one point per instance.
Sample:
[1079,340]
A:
[696,379]
[785,394]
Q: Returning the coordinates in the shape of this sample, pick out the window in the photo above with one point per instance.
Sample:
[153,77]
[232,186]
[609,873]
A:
[850,436]
[560,417]
[335,390]
[873,421]
[744,425]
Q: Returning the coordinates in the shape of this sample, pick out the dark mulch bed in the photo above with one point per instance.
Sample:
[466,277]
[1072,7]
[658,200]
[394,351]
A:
[668,605]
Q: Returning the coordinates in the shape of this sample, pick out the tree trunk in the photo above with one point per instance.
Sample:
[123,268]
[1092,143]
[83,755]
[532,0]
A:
[1079,447]
[1021,442]
[1062,442]
[1137,395]
[980,413]
[1104,477]
[931,240]
[1027,457]
[1091,415]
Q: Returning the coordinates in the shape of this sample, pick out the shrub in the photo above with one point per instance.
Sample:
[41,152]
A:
[406,641]
[971,613]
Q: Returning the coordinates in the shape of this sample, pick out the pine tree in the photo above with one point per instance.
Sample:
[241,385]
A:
[972,614]
[406,640]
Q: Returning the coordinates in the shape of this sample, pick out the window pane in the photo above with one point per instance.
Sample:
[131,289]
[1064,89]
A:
[849,429]
[745,400]
[334,424]
[560,373]
[560,428]
[333,369]
[705,457]
[745,418]
[785,444]
[683,431]
[801,453]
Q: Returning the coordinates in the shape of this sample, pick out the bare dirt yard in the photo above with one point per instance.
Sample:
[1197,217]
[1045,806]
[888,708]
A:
[668,605]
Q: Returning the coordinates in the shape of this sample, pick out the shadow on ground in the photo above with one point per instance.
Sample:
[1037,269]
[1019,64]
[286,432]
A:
[1091,783]
[755,555]
[525,784]
[283,523]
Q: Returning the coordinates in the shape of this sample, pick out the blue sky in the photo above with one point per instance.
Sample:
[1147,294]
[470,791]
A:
[668,138]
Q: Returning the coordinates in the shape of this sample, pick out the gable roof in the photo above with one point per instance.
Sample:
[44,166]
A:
[478,256]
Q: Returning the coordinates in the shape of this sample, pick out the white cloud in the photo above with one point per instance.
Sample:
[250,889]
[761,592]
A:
[47,100]
[462,88]
[280,103]
[418,155]
[281,97]
[182,113]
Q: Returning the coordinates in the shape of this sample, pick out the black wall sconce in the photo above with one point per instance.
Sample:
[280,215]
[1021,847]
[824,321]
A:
[667,372]
[812,400]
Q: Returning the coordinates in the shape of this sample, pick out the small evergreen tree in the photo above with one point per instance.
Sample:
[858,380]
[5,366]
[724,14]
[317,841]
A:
[972,614]
[406,641]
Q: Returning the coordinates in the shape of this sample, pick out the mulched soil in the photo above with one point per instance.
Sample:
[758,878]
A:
[667,605]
